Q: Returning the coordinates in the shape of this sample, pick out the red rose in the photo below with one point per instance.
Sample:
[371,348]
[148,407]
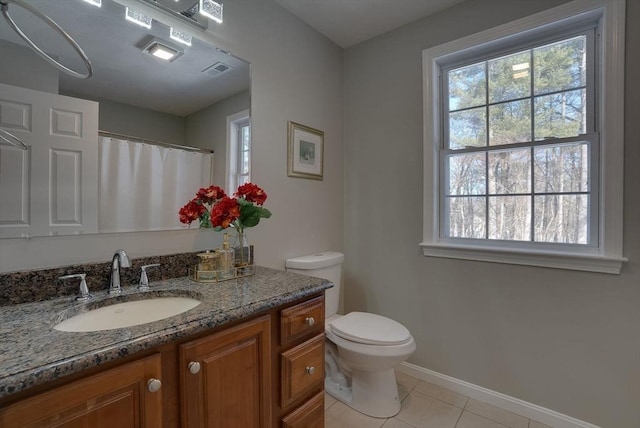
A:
[210,194]
[225,212]
[192,211]
[251,193]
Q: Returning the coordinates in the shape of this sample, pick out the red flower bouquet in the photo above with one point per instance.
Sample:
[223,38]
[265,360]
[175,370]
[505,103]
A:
[213,208]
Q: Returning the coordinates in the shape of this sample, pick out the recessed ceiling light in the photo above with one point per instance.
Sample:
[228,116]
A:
[138,18]
[162,50]
[180,36]
[212,9]
[94,2]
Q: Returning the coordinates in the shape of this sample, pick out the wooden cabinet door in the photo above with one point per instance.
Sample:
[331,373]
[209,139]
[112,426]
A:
[117,397]
[225,377]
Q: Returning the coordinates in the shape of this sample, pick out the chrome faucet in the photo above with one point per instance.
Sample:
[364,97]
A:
[120,260]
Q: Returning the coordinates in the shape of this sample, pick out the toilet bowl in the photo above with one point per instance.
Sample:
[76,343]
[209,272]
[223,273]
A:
[361,349]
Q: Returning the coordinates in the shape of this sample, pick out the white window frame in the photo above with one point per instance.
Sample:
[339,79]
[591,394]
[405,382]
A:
[607,255]
[234,123]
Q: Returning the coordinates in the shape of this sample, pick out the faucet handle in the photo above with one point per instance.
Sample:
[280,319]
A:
[144,280]
[84,290]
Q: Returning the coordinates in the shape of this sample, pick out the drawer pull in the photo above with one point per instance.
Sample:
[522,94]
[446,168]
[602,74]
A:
[310,370]
[194,367]
[309,321]
[154,385]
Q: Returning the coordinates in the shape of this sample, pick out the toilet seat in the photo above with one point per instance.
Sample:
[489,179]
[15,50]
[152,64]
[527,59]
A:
[370,329]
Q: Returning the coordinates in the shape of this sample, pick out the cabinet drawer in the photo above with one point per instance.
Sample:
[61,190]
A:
[309,415]
[301,320]
[302,369]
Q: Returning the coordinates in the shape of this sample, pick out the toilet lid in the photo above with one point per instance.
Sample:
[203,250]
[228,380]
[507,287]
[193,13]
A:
[370,329]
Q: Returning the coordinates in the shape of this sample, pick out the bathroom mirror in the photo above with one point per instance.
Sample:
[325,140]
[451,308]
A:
[138,95]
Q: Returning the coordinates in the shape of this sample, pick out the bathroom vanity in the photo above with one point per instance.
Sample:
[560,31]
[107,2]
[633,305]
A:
[250,355]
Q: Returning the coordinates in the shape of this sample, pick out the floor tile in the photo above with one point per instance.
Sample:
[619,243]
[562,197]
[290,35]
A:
[406,383]
[421,410]
[405,380]
[536,424]
[340,415]
[440,393]
[403,392]
[471,420]
[395,423]
[328,401]
[496,414]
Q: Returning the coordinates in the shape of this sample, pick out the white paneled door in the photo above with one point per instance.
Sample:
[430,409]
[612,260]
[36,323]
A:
[52,188]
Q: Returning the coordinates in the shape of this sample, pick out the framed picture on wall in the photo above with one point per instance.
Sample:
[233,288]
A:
[306,151]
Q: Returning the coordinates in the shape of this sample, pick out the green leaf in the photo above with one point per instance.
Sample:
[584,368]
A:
[264,213]
[249,215]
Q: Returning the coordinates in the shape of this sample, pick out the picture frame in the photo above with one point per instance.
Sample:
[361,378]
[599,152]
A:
[305,152]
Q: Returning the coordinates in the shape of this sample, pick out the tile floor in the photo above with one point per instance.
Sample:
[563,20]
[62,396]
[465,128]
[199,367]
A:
[430,406]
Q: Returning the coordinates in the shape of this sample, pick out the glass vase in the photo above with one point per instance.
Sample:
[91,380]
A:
[243,252]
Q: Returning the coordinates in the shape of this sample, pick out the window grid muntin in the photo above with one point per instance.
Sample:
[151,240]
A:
[591,138]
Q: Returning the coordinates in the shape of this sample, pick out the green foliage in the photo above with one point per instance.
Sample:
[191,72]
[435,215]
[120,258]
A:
[250,214]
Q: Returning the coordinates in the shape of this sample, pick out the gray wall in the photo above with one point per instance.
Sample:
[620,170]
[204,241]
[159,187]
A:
[207,128]
[565,340]
[140,122]
[20,67]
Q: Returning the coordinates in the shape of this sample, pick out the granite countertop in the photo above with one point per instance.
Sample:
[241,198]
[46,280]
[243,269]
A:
[32,352]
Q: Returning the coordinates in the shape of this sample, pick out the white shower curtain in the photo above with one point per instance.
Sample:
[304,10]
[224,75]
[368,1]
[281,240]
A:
[142,186]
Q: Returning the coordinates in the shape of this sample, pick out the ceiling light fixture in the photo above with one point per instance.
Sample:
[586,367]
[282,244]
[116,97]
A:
[212,9]
[162,50]
[180,36]
[95,2]
[138,18]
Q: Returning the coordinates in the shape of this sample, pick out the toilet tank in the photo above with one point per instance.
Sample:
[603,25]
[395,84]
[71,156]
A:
[326,265]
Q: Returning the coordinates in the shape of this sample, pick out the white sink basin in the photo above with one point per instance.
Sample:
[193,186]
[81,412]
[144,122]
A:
[127,314]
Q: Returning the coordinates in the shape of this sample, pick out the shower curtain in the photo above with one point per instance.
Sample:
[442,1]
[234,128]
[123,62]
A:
[142,186]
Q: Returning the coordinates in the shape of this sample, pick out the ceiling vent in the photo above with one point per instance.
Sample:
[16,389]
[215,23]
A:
[217,69]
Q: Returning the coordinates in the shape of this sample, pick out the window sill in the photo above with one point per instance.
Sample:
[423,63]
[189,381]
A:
[581,262]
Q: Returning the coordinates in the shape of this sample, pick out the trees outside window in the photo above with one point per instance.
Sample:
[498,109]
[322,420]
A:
[518,139]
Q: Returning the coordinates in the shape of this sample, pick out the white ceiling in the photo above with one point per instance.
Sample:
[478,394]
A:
[349,22]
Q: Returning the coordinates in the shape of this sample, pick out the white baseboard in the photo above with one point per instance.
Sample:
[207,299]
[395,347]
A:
[532,411]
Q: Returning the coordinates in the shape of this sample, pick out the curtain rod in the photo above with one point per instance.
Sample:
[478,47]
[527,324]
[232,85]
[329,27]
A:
[153,142]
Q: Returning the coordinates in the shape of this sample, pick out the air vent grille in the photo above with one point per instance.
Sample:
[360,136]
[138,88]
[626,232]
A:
[217,69]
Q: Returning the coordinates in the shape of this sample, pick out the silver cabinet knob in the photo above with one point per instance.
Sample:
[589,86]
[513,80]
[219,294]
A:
[310,370]
[194,367]
[309,321]
[154,385]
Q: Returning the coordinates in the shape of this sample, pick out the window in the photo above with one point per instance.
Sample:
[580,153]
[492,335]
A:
[517,129]
[238,150]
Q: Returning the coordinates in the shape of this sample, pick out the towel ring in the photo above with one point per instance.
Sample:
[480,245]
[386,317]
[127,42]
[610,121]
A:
[4,5]
[12,140]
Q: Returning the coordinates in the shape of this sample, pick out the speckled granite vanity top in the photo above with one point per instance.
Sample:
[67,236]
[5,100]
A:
[32,352]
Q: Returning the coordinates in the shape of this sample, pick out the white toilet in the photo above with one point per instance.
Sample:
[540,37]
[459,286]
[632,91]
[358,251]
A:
[362,349]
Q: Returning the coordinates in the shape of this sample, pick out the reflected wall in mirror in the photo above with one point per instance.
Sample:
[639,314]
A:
[58,186]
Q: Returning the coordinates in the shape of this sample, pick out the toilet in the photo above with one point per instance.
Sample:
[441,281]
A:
[361,349]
